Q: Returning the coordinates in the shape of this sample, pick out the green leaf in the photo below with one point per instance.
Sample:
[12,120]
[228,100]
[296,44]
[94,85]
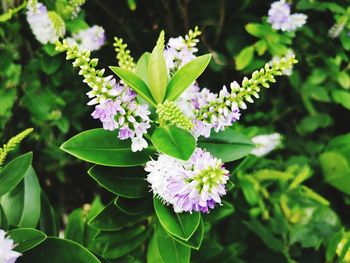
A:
[244,58]
[227,145]
[117,250]
[165,249]
[342,97]
[136,83]
[48,219]
[103,147]
[120,235]
[22,204]
[50,64]
[260,47]
[126,182]
[336,171]
[257,30]
[332,244]
[111,218]
[185,76]
[141,69]
[343,79]
[133,206]
[3,219]
[181,225]
[196,239]
[157,71]
[56,250]
[174,141]
[76,226]
[26,238]
[14,172]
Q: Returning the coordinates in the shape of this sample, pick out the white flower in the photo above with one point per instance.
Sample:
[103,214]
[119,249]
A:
[7,255]
[91,38]
[138,143]
[46,26]
[266,143]
[290,53]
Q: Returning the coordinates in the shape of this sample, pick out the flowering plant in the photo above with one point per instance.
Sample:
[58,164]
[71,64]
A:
[158,118]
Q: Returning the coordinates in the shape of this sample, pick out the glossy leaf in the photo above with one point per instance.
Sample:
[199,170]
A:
[133,206]
[103,147]
[174,141]
[136,83]
[165,249]
[181,225]
[56,250]
[126,182]
[22,204]
[220,212]
[227,145]
[196,239]
[157,73]
[111,218]
[3,219]
[185,76]
[48,219]
[117,250]
[13,173]
[75,226]
[26,238]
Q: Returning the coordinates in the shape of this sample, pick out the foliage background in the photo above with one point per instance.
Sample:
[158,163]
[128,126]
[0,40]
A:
[39,89]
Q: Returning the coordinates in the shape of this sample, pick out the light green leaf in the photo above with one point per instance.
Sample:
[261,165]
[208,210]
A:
[141,69]
[103,147]
[14,172]
[257,30]
[336,171]
[126,182]
[136,83]
[157,71]
[174,141]
[244,58]
[185,76]
[342,97]
[56,250]
[22,204]
[344,79]
[181,225]
[227,145]
[26,238]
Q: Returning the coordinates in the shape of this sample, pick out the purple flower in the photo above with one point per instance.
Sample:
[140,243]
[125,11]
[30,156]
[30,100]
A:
[125,133]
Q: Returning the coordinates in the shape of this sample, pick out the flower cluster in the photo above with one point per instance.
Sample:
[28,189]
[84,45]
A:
[193,185]
[92,38]
[180,51]
[276,59]
[266,143]
[7,254]
[116,107]
[280,17]
[47,26]
[338,27]
[220,111]
[125,60]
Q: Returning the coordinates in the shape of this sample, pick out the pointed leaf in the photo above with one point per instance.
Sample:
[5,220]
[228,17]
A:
[22,204]
[14,172]
[26,238]
[134,82]
[103,147]
[196,239]
[185,76]
[174,141]
[227,145]
[126,182]
[157,74]
[181,225]
[57,250]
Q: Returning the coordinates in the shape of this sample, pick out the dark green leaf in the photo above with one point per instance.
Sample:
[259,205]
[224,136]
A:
[14,172]
[196,239]
[133,206]
[48,222]
[227,145]
[26,238]
[56,250]
[181,225]
[126,182]
[103,147]
[75,228]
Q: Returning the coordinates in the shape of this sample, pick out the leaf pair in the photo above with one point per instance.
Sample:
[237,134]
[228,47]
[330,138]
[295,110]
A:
[150,79]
